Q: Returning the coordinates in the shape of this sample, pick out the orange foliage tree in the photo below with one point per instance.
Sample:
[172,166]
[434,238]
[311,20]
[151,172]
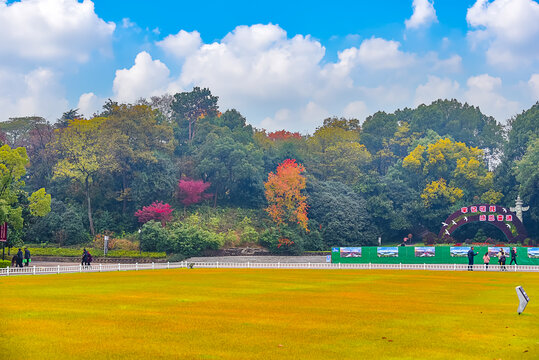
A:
[286,203]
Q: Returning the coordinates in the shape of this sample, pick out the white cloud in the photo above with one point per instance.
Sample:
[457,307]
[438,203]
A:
[376,54]
[182,44]
[435,88]
[127,23]
[52,30]
[534,86]
[303,119]
[37,92]
[256,66]
[89,104]
[144,79]
[484,91]
[424,14]
[509,30]
[356,110]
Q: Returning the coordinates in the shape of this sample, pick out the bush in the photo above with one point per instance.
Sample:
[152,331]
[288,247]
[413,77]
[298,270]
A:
[4,263]
[190,240]
[153,236]
[430,238]
[282,241]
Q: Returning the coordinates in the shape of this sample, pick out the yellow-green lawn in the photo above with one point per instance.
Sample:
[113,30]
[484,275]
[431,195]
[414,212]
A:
[269,314]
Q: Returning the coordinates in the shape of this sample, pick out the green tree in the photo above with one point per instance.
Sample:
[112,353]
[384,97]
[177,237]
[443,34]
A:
[527,174]
[189,107]
[84,154]
[13,164]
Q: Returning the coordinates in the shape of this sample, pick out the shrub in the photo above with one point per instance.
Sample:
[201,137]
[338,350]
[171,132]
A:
[190,240]
[4,263]
[282,241]
[430,238]
[153,236]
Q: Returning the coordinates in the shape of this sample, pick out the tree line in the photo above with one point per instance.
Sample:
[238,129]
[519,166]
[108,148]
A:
[184,162]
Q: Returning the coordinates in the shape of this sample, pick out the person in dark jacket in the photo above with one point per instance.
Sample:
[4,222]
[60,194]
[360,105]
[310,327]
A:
[513,256]
[20,256]
[84,256]
[27,256]
[471,255]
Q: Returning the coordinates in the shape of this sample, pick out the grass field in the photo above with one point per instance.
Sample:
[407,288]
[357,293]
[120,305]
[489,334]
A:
[269,314]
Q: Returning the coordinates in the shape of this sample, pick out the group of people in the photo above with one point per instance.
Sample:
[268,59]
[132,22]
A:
[86,258]
[486,258]
[20,259]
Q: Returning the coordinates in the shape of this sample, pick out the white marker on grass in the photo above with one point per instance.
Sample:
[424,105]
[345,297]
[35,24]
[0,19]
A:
[523,298]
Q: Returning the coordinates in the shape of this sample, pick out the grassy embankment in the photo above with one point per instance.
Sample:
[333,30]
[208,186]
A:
[269,314]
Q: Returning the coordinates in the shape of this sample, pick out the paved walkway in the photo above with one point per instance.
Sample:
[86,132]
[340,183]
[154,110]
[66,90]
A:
[261,259]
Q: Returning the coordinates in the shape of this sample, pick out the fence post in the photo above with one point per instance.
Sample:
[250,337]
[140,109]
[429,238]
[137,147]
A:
[248,265]
[424,266]
[99,267]
[118,266]
[7,273]
[34,270]
[217,264]
[58,269]
[80,267]
[370,266]
[168,264]
[278,265]
[309,264]
[153,265]
[339,265]
[400,266]
[136,266]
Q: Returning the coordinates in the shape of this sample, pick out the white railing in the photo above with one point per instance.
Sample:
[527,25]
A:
[40,270]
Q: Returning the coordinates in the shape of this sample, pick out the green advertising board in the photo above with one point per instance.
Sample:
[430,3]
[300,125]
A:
[427,255]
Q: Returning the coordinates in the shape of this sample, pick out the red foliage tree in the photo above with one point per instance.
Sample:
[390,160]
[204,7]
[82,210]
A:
[156,211]
[286,202]
[192,191]
[283,135]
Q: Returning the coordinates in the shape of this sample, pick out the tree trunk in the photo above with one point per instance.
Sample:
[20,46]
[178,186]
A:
[124,195]
[215,199]
[90,220]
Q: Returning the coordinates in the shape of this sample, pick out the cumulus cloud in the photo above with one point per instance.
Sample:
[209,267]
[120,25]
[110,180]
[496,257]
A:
[356,110]
[144,79]
[52,30]
[436,88]
[182,44]
[508,29]
[484,91]
[534,86]
[375,54]
[37,92]
[423,15]
[89,104]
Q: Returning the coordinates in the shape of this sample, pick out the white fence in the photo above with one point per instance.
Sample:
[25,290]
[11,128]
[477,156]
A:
[40,270]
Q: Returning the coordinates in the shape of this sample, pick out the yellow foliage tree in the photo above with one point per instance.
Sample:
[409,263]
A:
[464,168]
[84,152]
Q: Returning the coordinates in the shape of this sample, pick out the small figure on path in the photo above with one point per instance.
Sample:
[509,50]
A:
[513,256]
[471,255]
[486,260]
[27,259]
[84,256]
[89,258]
[501,260]
[19,258]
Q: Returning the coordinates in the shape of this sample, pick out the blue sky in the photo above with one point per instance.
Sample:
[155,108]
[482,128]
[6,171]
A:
[283,64]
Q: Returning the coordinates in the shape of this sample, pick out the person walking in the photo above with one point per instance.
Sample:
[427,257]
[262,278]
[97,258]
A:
[501,260]
[471,255]
[486,260]
[27,259]
[19,258]
[88,259]
[84,257]
[513,256]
